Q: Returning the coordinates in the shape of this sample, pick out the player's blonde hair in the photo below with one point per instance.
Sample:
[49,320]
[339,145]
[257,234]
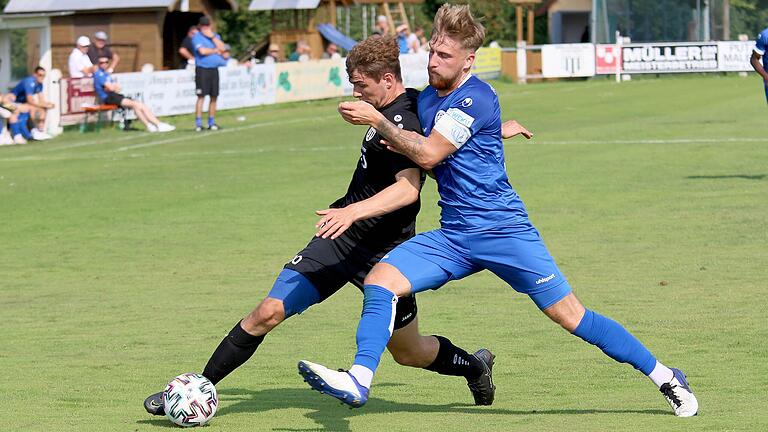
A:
[457,23]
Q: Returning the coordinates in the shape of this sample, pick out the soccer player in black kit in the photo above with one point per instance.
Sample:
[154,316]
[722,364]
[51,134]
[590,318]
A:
[377,213]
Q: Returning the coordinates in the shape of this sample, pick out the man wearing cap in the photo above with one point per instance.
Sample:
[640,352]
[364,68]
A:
[210,53]
[99,49]
[80,65]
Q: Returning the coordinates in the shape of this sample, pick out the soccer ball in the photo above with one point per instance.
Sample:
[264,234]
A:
[190,399]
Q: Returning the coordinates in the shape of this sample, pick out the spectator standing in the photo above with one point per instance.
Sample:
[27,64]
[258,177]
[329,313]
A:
[187,49]
[30,103]
[402,38]
[382,26]
[301,53]
[80,65]
[414,40]
[331,51]
[273,54]
[107,91]
[99,49]
[209,51]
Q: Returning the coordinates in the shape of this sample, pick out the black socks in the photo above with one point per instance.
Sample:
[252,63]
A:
[236,348]
[452,360]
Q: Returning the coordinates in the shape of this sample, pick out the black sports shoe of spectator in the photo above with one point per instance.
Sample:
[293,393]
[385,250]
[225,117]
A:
[154,404]
[482,387]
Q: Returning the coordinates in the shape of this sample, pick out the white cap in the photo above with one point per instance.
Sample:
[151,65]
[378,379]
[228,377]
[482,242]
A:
[83,41]
[381,18]
[100,35]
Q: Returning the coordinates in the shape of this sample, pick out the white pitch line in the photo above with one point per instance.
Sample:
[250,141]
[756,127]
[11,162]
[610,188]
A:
[228,130]
[112,156]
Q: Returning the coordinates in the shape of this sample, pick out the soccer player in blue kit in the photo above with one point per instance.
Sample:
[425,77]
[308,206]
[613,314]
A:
[484,224]
[758,52]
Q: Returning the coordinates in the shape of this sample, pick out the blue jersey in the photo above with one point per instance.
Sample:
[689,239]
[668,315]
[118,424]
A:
[761,44]
[212,61]
[474,189]
[26,88]
[101,77]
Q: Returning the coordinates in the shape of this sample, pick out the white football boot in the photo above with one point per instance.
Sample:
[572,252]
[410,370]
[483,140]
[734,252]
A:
[19,139]
[679,395]
[339,384]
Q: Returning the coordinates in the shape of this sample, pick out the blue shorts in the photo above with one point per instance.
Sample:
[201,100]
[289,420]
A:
[765,86]
[514,253]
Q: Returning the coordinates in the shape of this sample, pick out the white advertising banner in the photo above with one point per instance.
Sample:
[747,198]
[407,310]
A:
[733,56]
[173,92]
[568,60]
[669,57]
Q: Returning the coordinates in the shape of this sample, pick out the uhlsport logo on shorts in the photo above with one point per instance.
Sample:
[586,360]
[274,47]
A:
[545,280]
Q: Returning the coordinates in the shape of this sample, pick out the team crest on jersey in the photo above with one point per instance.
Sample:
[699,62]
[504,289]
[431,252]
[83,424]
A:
[369,135]
[460,134]
[398,118]
[467,102]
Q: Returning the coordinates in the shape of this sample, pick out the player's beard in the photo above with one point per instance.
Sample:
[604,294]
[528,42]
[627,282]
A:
[440,82]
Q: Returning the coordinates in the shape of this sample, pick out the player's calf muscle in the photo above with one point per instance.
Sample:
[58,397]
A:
[267,315]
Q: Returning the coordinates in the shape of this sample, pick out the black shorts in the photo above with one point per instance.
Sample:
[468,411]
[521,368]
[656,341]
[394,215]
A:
[206,82]
[114,99]
[330,264]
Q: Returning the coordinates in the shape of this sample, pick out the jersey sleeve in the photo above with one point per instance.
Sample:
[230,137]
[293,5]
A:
[761,42]
[407,121]
[466,117]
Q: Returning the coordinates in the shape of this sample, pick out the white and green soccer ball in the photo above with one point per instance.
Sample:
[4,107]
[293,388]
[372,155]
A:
[190,399]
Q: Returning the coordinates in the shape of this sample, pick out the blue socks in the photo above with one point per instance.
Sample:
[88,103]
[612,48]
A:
[615,341]
[375,327]
[198,122]
[210,121]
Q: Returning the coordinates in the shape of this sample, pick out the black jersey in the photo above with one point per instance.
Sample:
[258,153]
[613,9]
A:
[376,171]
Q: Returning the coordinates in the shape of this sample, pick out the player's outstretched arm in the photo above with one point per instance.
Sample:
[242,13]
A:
[404,191]
[427,152]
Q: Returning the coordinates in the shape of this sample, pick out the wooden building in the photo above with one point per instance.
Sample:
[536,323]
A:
[140,31]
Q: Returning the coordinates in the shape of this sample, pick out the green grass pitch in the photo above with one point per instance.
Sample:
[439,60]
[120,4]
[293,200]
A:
[126,256]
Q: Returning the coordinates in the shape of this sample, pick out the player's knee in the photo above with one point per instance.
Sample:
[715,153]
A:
[389,277]
[267,315]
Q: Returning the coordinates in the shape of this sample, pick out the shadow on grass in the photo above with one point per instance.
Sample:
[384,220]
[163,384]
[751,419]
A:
[329,415]
[732,176]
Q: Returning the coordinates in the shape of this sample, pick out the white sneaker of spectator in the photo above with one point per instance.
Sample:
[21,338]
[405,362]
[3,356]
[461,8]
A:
[165,127]
[39,135]
[18,139]
[151,128]
[5,138]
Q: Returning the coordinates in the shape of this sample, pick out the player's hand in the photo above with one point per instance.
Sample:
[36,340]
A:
[389,146]
[511,128]
[334,222]
[358,113]
[50,105]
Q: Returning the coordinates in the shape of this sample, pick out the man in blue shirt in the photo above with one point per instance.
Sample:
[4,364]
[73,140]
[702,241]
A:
[107,92]
[210,54]
[31,104]
[484,224]
[758,52]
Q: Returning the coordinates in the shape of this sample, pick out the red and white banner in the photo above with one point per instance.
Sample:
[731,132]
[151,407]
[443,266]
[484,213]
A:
[607,59]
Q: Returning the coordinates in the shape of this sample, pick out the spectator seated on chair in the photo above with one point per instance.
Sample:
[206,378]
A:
[107,92]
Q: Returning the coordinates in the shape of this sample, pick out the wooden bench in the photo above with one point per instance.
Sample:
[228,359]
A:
[97,110]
